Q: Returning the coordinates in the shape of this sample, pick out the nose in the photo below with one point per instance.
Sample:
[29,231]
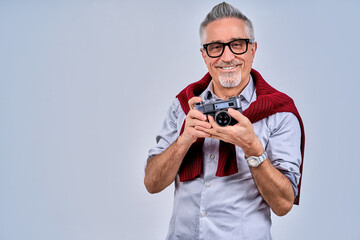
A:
[227,55]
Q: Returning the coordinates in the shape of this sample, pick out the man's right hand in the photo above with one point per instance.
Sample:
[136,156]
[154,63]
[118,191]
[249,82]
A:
[161,169]
[194,118]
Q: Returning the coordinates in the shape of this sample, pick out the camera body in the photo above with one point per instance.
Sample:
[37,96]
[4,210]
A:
[218,110]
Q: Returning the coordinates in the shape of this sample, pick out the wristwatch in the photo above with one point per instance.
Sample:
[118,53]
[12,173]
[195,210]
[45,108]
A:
[256,161]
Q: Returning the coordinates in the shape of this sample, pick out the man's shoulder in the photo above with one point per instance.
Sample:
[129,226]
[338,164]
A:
[175,107]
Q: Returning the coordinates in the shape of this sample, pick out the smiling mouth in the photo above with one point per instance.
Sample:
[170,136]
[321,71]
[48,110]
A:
[229,67]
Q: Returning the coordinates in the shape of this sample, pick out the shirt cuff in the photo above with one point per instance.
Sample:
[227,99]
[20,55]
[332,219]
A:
[292,179]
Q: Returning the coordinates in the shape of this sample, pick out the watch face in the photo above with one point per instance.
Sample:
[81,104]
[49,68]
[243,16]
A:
[253,162]
[256,161]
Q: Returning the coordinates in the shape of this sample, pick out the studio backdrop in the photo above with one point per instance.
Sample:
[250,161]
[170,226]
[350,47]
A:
[85,85]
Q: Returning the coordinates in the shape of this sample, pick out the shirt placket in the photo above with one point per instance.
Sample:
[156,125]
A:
[211,152]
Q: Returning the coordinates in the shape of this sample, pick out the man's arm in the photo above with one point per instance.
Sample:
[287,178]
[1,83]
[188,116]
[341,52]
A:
[275,188]
[161,169]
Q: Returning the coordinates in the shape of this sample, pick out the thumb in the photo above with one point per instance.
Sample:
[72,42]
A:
[237,115]
[194,100]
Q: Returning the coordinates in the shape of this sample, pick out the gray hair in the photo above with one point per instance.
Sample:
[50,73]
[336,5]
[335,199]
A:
[225,10]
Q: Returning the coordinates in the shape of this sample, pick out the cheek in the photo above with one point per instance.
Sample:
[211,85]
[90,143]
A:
[214,61]
[248,60]
[210,64]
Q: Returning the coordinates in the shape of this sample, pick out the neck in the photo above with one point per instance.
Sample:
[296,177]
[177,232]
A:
[226,93]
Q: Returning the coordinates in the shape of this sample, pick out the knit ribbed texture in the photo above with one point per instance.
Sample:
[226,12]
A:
[269,101]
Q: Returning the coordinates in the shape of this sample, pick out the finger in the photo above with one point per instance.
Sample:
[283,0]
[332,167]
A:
[196,122]
[212,133]
[199,134]
[194,100]
[217,128]
[207,130]
[237,115]
[197,114]
[221,133]
[211,120]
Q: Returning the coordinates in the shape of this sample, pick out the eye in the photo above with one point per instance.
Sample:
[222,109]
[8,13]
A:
[238,44]
[215,47]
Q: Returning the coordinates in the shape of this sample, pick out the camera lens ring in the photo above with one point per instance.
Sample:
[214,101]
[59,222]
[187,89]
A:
[222,118]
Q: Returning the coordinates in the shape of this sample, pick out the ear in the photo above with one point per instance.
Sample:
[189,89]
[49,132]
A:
[203,53]
[253,49]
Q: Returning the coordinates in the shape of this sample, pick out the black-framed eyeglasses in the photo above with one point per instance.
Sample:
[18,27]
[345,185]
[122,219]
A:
[237,46]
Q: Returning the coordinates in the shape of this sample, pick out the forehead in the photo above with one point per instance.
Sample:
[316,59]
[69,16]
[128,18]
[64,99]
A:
[226,29]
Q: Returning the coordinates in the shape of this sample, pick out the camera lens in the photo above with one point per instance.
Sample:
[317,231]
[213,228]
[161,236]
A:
[222,118]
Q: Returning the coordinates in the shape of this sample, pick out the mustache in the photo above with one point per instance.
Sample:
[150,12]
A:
[228,64]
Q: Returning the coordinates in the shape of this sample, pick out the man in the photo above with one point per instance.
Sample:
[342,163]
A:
[228,178]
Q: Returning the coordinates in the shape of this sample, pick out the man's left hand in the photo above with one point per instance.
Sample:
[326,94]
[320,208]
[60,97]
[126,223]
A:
[241,134]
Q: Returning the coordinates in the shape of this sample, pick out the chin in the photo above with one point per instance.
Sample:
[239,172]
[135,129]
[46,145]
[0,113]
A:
[229,84]
[229,80]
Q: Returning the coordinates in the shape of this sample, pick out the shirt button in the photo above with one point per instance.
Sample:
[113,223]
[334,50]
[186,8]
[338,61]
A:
[203,214]
[212,156]
[207,184]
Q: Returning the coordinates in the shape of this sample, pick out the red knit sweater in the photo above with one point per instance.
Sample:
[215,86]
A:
[269,101]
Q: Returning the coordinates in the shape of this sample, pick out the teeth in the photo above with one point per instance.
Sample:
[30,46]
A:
[228,68]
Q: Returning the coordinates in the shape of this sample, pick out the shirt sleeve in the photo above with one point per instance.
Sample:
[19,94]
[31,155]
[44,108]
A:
[283,148]
[169,130]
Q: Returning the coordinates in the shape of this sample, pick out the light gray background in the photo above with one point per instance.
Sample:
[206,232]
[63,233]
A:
[84,87]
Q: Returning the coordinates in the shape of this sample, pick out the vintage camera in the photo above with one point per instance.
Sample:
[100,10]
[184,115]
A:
[218,110]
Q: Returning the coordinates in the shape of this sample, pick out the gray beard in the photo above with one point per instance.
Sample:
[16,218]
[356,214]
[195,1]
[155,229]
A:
[230,80]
